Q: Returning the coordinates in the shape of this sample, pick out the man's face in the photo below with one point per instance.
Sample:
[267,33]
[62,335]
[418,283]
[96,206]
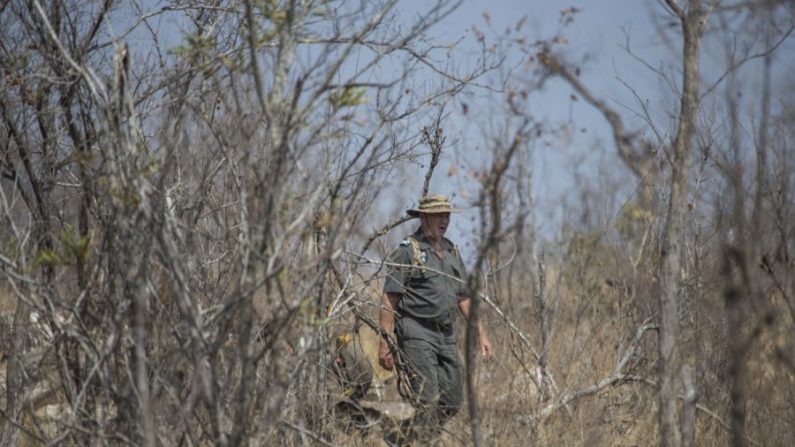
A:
[435,225]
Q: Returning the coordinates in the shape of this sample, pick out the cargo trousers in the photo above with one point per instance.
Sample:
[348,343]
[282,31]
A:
[434,373]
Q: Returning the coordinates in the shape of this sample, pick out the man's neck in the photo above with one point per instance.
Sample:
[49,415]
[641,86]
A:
[436,243]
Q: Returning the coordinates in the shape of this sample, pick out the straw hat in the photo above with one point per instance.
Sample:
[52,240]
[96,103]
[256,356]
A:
[432,204]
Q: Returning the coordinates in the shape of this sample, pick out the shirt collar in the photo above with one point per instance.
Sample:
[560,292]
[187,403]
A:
[420,237]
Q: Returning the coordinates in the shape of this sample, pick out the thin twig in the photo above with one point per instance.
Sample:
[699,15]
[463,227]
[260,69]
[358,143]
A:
[617,377]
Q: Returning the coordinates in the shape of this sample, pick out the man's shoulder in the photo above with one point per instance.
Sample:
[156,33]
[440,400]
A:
[403,247]
[449,244]
[403,253]
[453,248]
[406,243]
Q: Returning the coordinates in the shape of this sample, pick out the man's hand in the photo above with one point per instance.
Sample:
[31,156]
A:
[385,355]
[485,347]
[386,317]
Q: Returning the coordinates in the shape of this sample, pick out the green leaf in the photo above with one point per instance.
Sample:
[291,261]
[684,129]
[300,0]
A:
[48,257]
[349,97]
[74,244]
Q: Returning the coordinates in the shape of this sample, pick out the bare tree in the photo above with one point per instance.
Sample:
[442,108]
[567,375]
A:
[692,18]
[187,206]
[178,212]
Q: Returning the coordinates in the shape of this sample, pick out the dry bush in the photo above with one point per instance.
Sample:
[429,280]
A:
[187,228]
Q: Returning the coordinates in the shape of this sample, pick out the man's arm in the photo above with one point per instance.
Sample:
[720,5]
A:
[485,344]
[386,316]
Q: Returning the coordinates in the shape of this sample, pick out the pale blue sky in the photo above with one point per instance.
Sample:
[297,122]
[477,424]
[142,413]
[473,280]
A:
[595,40]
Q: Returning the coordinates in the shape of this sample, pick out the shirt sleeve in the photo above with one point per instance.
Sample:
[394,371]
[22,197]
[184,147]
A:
[396,274]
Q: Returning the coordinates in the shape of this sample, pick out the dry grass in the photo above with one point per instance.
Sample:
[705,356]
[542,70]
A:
[584,348]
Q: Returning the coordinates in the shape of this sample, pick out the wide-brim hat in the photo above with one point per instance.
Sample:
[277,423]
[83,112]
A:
[432,204]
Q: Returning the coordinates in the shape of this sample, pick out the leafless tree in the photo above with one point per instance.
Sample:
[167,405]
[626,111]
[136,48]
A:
[188,194]
[692,19]
[174,214]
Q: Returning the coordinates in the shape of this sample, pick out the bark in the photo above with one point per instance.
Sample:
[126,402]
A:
[471,350]
[15,383]
[688,408]
[673,235]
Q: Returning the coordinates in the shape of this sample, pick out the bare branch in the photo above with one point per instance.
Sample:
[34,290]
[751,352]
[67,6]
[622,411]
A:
[736,65]
[617,377]
[637,162]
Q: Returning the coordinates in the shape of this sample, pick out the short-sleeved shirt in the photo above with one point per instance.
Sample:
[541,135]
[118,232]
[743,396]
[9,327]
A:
[431,290]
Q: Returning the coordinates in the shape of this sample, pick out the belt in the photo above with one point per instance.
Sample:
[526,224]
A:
[443,327]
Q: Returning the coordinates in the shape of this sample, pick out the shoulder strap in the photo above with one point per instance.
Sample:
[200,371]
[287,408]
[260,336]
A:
[415,251]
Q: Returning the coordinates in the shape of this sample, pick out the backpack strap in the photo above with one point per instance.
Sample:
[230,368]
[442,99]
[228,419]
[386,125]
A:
[416,251]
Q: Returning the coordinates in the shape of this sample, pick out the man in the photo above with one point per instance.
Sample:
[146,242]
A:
[426,281]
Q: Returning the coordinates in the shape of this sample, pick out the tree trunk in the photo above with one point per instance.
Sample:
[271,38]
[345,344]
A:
[15,383]
[673,235]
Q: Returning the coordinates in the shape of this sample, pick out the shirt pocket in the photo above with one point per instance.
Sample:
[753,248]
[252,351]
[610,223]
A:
[422,276]
[423,272]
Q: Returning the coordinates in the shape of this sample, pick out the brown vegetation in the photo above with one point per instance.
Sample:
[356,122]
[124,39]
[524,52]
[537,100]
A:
[188,228]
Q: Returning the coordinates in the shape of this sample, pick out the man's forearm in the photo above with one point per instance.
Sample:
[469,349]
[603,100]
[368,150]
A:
[463,306]
[386,315]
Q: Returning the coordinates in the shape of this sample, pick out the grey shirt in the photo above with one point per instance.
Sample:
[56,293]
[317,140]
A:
[431,290]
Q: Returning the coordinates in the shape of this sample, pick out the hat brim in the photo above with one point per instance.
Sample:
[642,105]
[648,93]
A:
[416,212]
